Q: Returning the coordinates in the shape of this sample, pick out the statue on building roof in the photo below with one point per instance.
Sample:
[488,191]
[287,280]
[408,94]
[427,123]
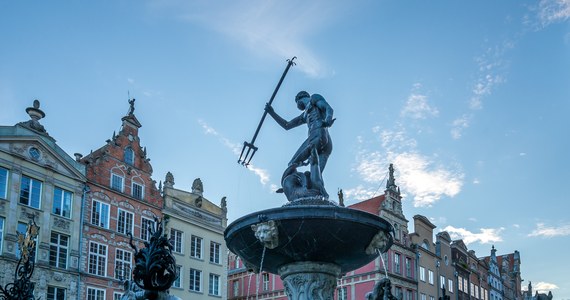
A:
[197,187]
[132,106]
[169,180]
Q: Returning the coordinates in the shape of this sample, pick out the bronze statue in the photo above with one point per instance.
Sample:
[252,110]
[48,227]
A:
[318,115]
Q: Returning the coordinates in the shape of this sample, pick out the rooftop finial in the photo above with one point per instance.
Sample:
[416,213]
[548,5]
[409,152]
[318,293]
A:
[132,107]
[391,183]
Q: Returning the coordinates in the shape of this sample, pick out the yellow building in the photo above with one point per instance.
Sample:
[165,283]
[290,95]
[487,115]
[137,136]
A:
[196,230]
[39,181]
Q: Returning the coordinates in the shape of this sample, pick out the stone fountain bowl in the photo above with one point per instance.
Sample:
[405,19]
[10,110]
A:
[309,233]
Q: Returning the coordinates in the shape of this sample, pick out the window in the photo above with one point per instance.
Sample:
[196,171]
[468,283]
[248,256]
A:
[450,285]
[430,277]
[117,182]
[425,245]
[178,282]
[441,281]
[95,294]
[3,183]
[342,293]
[62,202]
[397,263]
[123,266]
[125,222]
[146,224]
[408,267]
[30,192]
[176,240]
[466,285]
[235,285]
[215,252]
[58,250]
[476,290]
[422,274]
[423,296]
[460,283]
[409,295]
[1,233]
[195,280]
[97,259]
[214,286]
[138,191]
[55,293]
[117,296]
[22,229]
[431,298]
[129,156]
[472,289]
[100,214]
[265,281]
[238,262]
[196,247]
[398,292]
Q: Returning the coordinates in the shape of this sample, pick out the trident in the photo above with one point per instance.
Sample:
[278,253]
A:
[250,147]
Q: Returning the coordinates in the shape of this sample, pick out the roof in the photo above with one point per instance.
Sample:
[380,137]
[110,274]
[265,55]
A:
[372,205]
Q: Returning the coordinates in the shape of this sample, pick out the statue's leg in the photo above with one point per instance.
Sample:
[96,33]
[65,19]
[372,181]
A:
[302,153]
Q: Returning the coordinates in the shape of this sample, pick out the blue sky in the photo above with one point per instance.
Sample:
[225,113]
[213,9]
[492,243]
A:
[469,100]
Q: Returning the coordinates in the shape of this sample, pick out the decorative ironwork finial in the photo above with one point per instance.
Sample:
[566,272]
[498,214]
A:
[22,288]
[155,266]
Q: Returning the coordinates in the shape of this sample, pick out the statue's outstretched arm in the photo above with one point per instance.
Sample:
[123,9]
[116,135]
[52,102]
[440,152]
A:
[282,122]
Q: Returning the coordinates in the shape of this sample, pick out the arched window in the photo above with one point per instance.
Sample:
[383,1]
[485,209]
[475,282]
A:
[425,245]
[129,156]
[396,231]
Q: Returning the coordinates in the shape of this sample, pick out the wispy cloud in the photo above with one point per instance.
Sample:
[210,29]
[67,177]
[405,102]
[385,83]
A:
[544,287]
[263,174]
[551,11]
[550,231]
[458,125]
[485,236]
[419,175]
[417,106]
[275,28]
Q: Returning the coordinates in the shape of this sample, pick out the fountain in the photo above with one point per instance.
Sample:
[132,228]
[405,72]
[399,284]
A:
[310,241]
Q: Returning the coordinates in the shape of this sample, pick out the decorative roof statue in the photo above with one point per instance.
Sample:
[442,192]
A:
[197,187]
[169,180]
[35,114]
[132,106]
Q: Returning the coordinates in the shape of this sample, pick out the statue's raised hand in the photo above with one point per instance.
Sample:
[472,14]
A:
[269,108]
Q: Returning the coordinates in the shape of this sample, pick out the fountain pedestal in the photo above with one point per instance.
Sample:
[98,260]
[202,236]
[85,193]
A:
[309,280]
[309,245]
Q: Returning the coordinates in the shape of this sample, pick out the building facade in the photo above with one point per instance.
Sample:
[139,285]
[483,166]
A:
[428,260]
[122,201]
[196,229]
[39,181]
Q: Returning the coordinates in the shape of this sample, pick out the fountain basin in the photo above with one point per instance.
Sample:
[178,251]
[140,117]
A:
[309,233]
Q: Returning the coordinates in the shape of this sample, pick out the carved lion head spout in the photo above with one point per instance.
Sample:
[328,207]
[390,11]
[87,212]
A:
[267,234]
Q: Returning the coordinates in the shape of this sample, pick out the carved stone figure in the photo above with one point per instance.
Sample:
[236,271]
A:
[318,115]
[169,180]
[380,241]
[267,233]
[197,187]
[381,291]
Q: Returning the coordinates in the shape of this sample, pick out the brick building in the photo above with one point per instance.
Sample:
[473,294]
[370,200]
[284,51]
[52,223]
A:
[122,199]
